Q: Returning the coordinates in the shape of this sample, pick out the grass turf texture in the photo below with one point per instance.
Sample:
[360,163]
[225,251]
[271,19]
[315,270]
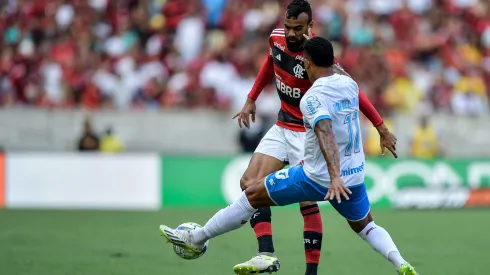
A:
[100,242]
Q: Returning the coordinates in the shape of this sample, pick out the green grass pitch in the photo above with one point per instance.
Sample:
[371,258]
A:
[104,243]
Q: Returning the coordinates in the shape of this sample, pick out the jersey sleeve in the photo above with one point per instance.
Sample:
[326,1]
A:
[314,107]
[266,73]
[265,76]
[368,110]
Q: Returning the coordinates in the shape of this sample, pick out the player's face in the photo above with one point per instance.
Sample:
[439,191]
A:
[294,29]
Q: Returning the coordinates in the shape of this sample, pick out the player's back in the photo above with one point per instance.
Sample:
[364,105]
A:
[335,97]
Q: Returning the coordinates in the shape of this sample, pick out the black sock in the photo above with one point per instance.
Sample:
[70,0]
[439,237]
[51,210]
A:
[265,244]
[311,269]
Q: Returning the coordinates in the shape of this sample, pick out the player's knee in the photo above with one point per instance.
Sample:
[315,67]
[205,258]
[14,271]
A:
[358,226]
[253,195]
[246,182]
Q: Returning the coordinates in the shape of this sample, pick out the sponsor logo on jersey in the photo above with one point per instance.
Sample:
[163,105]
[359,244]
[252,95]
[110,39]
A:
[285,89]
[281,47]
[299,57]
[346,104]
[278,57]
[298,71]
[352,171]
[312,103]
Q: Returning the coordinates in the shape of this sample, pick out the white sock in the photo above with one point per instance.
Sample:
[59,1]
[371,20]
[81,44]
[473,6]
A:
[380,240]
[227,219]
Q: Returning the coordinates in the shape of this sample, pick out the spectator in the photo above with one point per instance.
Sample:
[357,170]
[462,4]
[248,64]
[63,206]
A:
[89,142]
[425,142]
[110,143]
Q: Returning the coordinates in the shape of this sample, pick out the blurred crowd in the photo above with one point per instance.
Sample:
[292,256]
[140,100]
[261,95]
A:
[418,56]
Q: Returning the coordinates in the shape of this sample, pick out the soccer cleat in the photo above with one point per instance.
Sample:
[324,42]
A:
[407,269]
[258,264]
[181,238]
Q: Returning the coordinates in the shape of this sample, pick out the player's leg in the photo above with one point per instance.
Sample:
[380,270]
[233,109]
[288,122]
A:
[260,166]
[270,156]
[312,234]
[313,226]
[281,188]
[227,219]
[357,212]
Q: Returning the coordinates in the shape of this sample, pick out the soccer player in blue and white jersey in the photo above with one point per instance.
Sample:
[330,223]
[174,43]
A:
[333,167]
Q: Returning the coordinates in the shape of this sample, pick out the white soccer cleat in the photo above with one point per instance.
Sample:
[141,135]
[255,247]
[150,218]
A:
[182,238]
[258,264]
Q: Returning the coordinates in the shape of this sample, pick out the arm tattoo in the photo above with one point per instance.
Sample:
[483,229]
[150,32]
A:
[329,147]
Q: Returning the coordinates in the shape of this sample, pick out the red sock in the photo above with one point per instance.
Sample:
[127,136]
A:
[313,233]
[263,229]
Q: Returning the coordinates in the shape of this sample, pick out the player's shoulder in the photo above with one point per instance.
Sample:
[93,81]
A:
[277,35]
[338,82]
[314,94]
[277,32]
[335,86]
[311,102]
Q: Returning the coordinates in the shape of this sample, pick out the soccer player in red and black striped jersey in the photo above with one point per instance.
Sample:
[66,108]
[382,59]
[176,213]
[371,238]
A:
[284,142]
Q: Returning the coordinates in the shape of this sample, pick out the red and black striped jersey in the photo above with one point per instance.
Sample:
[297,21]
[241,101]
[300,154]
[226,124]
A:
[291,80]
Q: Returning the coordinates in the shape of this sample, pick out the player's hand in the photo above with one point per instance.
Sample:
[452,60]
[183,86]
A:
[244,115]
[387,140]
[337,189]
[309,35]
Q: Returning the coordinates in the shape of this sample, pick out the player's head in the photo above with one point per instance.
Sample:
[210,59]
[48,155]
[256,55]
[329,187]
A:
[298,21]
[318,54]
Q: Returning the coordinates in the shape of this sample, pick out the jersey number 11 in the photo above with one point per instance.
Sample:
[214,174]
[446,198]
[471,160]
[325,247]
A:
[352,121]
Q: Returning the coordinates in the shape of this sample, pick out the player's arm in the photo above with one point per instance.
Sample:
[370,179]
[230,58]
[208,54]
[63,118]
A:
[328,146]
[330,151]
[387,138]
[265,76]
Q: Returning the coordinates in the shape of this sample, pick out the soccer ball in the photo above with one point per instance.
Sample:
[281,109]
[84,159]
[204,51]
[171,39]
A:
[187,253]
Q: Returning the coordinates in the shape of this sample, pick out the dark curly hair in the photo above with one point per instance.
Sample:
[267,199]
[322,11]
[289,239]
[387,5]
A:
[297,7]
[320,51]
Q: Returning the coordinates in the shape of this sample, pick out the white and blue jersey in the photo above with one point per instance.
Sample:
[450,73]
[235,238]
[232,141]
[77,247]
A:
[335,98]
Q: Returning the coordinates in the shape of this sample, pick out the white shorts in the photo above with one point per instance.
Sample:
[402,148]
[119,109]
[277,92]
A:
[283,144]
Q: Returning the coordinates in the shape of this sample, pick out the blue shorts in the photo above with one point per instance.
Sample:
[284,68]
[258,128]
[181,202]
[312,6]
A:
[291,185]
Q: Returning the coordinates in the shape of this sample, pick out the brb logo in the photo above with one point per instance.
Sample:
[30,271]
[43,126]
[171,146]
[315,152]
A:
[285,89]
